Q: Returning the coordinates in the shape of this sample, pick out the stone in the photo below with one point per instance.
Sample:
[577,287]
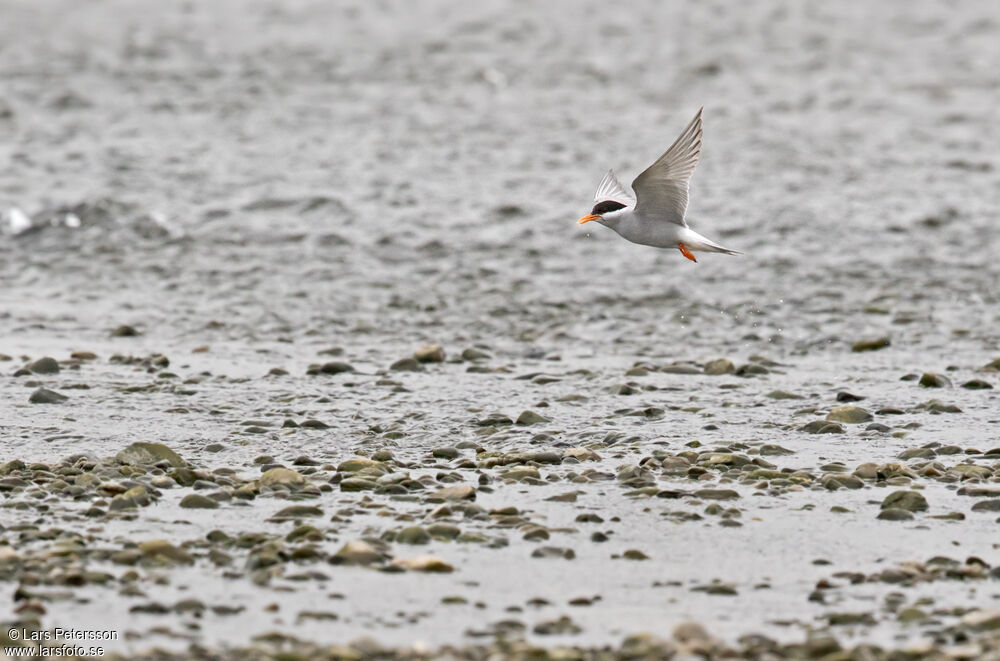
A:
[297,512]
[934,380]
[991,505]
[46,396]
[911,501]
[281,476]
[719,366]
[332,367]
[424,563]
[144,454]
[530,418]
[977,384]
[472,354]
[634,554]
[358,484]
[198,501]
[456,492]
[413,535]
[124,331]
[431,353]
[822,427]
[982,620]
[851,415]
[716,494]
[44,365]
[871,344]
[355,464]
[162,551]
[895,514]
[406,365]
[358,552]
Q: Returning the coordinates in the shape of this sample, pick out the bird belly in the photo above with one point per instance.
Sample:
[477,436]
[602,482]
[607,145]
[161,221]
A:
[658,234]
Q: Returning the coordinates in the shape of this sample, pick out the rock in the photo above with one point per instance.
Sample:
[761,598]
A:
[297,512]
[355,464]
[44,366]
[424,563]
[895,514]
[46,396]
[689,632]
[332,367]
[162,551]
[124,331]
[851,415]
[934,380]
[822,427]
[781,394]
[530,418]
[719,366]
[358,552]
[844,396]
[982,620]
[472,354]
[358,484]
[772,450]
[145,454]
[431,353]
[716,494]
[872,344]
[581,454]
[413,535]
[406,365]
[911,501]
[198,501]
[634,554]
[457,492]
[281,476]
[977,384]
[991,505]
[445,453]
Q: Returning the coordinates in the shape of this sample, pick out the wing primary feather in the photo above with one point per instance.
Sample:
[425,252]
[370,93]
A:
[661,190]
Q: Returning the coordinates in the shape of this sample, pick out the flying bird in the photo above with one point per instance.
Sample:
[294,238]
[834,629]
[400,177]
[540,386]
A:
[654,216]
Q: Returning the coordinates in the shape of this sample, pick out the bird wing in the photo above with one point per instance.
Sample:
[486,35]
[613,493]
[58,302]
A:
[612,189]
[662,188]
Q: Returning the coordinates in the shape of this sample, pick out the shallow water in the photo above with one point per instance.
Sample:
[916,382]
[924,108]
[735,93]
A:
[273,179]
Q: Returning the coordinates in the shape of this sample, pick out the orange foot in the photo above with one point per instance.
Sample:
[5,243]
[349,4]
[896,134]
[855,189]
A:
[686,252]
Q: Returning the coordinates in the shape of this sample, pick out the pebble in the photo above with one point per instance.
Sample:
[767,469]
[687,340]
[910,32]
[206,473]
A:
[431,353]
[143,454]
[851,415]
[871,344]
[911,501]
[934,380]
[44,365]
[198,501]
[530,418]
[457,492]
[281,476]
[46,396]
[424,563]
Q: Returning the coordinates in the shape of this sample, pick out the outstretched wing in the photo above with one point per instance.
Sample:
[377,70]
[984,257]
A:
[612,189]
[662,189]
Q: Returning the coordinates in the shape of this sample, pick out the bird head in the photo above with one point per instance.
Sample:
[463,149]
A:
[602,210]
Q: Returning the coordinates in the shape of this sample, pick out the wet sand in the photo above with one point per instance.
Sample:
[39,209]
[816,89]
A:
[250,216]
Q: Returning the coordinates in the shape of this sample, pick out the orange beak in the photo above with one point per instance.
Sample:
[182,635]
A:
[586,219]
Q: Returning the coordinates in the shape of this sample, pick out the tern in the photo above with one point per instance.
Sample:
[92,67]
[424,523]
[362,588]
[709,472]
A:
[654,216]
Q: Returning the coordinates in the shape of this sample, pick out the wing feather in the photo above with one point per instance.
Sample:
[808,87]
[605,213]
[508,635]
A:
[612,189]
[662,188]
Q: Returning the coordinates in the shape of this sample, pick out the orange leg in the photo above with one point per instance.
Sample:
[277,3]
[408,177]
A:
[686,252]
